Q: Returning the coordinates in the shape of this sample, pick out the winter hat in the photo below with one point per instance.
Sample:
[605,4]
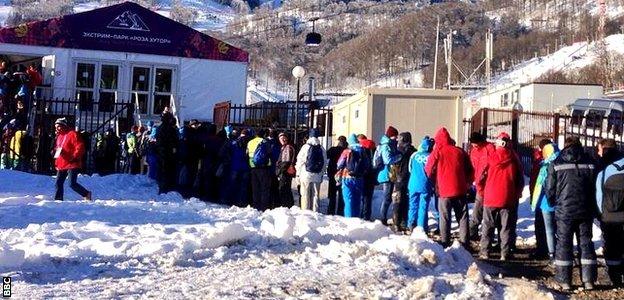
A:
[504,136]
[61,121]
[352,140]
[313,133]
[476,137]
[391,132]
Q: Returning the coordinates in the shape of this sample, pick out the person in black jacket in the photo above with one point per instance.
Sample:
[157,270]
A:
[571,184]
[400,196]
[166,147]
[336,203]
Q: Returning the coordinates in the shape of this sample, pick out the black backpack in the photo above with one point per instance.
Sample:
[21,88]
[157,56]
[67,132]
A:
[358,163]
[613,195]
[315,161]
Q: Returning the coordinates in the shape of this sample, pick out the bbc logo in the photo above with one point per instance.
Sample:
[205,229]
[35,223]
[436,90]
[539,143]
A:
[6,287]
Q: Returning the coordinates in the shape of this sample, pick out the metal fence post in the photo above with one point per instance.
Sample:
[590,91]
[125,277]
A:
[484,121]
[555,133]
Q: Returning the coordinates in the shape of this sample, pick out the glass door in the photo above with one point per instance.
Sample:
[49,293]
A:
[141,88]
[85,85]
[162,89]
[109,78]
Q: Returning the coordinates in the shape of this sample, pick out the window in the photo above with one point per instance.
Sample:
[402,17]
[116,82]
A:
[85,85]
[162,89]
[594,118]
[344,119]
[577,117]
[140,87]
[505,100]
[357,113]
[615,122]
[152,88]
[109,76]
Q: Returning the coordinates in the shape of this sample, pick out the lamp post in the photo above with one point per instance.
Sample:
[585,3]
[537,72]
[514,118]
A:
[298,72]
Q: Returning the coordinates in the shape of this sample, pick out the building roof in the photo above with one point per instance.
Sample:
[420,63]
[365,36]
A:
[125,27]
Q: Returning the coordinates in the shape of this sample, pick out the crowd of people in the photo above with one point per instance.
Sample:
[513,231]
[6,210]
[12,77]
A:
[16,90]
[569,190]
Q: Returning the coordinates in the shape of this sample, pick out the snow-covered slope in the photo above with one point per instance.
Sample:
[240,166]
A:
[133,243]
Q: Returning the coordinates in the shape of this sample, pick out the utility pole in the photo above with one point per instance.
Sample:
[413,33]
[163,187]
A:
[448,56]
[489,55]
[435,59]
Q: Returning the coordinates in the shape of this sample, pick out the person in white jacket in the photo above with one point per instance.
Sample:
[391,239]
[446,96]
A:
[311,165]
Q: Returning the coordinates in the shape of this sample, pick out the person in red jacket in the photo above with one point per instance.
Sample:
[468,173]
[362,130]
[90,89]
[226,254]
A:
[449,167]
[504,182]
[68,152]
[480,151]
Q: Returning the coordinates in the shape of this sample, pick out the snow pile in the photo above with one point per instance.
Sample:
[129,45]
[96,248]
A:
[131,240]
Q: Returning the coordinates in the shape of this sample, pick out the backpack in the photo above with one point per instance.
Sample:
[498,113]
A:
[358,163]
[262,154]
[315,160]
[377,160]
[613,195]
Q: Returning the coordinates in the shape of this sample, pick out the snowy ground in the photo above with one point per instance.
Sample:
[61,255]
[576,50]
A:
[133,243]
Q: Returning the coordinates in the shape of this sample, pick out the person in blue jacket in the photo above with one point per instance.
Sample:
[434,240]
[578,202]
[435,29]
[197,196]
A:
[387,154]
[352,181]
[419,187]
[539,200]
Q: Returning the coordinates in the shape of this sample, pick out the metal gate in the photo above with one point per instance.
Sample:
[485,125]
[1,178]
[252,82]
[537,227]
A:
[86,120]
[528,128]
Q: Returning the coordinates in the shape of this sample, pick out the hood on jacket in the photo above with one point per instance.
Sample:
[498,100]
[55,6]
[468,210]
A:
[352,140]
[405,138]
[384,140]
[572,154]
[550,152]
[442,137]
[425,145]
[367,144]
[313,141]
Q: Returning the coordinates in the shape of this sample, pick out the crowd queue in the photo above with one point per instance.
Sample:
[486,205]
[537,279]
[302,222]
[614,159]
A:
[569,190]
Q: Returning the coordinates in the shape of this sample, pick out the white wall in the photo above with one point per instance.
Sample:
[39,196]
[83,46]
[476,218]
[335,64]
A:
[206,82]
[554,97]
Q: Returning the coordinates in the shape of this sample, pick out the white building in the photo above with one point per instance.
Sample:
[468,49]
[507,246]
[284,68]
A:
[539,96]
[126,52]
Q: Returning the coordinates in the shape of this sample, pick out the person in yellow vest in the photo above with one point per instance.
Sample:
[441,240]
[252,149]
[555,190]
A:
[259,153]
[15,149]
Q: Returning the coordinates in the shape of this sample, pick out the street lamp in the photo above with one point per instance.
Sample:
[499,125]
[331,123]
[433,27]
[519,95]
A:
[298,72]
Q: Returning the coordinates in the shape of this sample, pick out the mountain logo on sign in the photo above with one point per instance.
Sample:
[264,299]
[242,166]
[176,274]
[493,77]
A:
[129,21]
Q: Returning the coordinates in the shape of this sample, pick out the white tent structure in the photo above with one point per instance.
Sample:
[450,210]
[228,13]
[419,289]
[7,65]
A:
[126,52]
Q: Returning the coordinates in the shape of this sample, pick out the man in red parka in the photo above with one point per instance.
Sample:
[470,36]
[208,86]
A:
[68,152]
[449,167]
[479,153]
[504,182]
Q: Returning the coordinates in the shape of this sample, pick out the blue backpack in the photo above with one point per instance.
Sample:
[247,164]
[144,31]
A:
[315,160]
[262,154]
[358,163]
